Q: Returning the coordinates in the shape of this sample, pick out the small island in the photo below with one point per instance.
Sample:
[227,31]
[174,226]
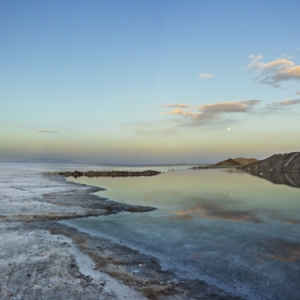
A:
[106,173]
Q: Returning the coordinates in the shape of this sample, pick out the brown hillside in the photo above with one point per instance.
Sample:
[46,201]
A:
[228,162]
[246,161]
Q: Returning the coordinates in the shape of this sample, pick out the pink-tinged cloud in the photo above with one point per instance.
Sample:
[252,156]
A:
[274,72]
[206,75]
[207,113]
[229,107]
[47,131]
[289,102]
[218,113]
[283,104]
[298,92]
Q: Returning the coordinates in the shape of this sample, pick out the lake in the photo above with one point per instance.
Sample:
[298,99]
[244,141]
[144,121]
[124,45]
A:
[231,229]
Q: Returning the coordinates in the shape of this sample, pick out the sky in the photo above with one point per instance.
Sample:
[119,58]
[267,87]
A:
[148,81]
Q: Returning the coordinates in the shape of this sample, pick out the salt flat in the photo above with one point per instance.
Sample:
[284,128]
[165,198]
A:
[44,259]
[36,264]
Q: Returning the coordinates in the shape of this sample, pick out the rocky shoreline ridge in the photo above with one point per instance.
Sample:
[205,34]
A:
[106,173]
[278,162]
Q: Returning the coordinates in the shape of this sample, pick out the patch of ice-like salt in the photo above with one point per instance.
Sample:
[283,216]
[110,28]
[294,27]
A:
[112,286]
[22,188]
[45,259]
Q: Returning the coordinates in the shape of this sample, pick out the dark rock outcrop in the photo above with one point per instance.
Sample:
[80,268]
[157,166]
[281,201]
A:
[107,173]
[278,162]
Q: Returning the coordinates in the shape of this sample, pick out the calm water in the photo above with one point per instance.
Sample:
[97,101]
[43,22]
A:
[226,227]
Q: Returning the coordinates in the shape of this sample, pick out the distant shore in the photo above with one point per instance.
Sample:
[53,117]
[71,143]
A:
[216,167]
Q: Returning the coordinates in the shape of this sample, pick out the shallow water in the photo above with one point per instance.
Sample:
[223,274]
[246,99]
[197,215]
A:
[226,227]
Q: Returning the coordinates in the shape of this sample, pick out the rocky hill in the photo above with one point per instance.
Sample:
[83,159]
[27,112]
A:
[246,161]
[237,161]
[227,162]
[278,162]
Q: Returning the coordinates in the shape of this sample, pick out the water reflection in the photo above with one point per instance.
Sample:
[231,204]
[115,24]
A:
[290,221]
[284,251]
[232,171]
[210,210]
[222,226]
[287,178]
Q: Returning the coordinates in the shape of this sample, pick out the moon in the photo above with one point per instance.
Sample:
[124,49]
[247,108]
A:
[228,128]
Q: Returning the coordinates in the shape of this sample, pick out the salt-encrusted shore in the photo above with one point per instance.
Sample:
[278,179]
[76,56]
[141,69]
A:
[43,259]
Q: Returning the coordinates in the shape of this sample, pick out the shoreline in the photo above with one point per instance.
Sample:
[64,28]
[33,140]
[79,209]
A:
[84,266]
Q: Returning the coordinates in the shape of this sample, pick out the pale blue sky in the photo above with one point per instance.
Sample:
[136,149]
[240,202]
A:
[90,80]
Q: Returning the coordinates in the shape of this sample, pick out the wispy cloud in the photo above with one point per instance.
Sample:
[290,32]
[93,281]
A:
[47,131]
[228,107]
[282,104]
[205,75]
[274,72]
[207,113]
[178,105]
[298,92]
[289,102]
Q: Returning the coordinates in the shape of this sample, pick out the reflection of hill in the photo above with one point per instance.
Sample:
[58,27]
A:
[287,178]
